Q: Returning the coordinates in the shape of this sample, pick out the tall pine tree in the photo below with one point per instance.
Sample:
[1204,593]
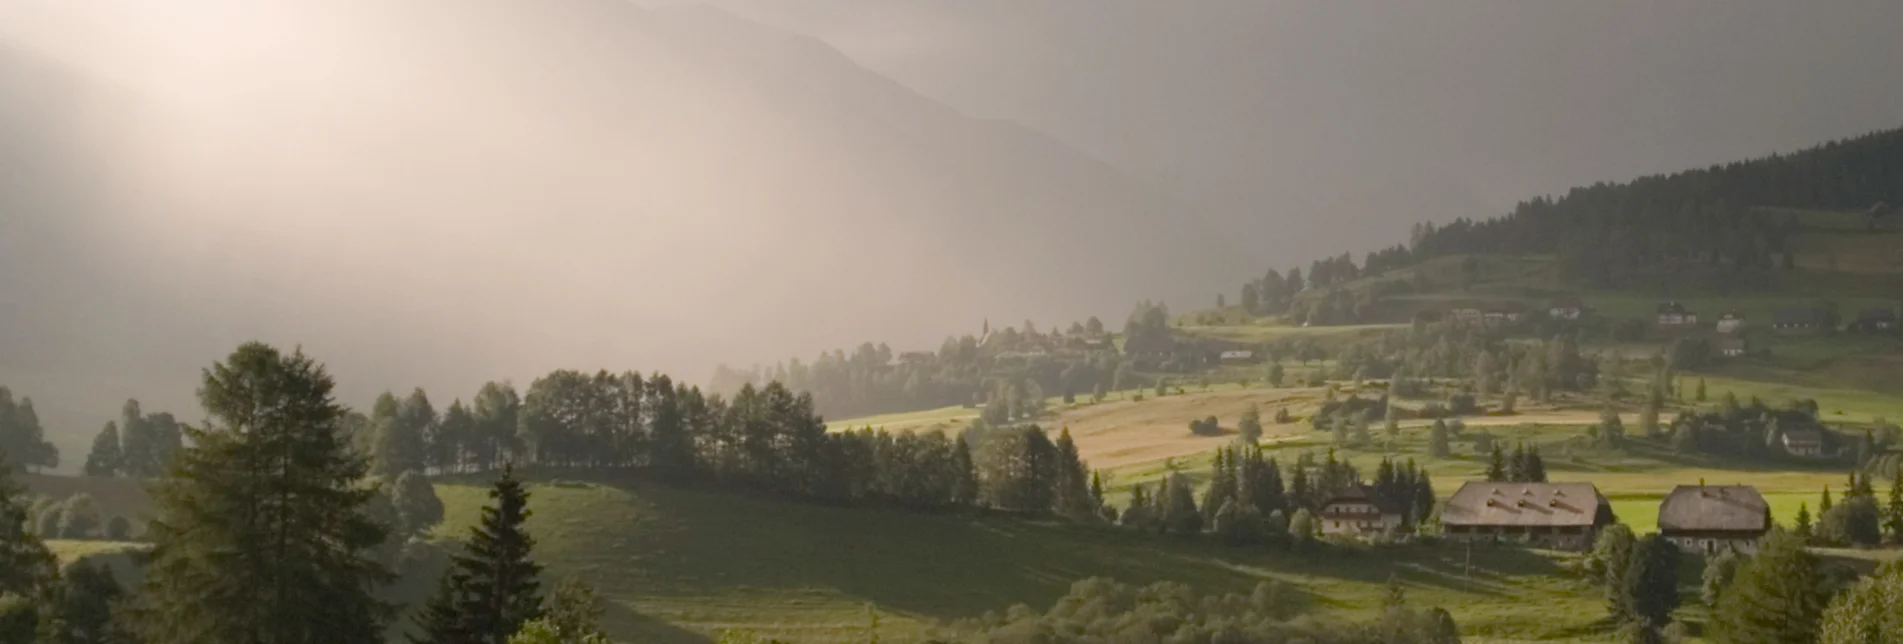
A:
[496,583]
[260,534]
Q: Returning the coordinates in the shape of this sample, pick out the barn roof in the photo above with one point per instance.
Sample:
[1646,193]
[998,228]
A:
[1483,503]
[1728,508]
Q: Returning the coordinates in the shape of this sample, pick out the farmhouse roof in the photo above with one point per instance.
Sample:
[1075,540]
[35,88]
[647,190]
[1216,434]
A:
[1727,508]
[1483,503]
[1672,308]
[1360,493]
[1731,343]
[1877,314]
[1568,302]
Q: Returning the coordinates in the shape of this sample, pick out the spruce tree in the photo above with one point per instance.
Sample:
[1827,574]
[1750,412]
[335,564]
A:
[1180,515]
[260,533]
[1516,465]
[1779,595]
[1861,486]
[1222,484]
[105,458]
[1096,492]
[1802,527]
[498,590]
[1423,498]
[1535,466]
[964,474]
[1893,523]
[1497,467]
[81,608]
[1700,397]
[1437,441]
[440,621]
[1650,591]
[1072,488]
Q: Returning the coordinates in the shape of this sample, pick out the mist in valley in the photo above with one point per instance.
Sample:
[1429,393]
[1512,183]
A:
[438,193]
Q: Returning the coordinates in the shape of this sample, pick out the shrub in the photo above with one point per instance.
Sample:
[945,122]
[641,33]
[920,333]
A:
[119,529]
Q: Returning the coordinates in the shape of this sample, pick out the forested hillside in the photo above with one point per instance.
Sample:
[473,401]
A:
[1707,224]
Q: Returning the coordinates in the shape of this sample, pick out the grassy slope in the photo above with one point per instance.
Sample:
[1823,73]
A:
[685,565]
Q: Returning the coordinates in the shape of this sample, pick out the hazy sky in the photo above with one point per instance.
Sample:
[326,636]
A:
[1351,120]
[443,192]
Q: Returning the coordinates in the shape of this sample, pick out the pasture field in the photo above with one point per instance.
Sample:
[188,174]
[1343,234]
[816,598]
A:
[1122,430]
[686,566]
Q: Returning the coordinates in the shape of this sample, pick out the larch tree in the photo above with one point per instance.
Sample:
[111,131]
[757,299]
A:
[260,534]
[1779,596]
[397,444]
[417,507]
[1720,571]
[1870,612]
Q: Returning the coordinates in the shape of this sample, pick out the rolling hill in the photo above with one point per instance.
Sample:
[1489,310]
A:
[683,566]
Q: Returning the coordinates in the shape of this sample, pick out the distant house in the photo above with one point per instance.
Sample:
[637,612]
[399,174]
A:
[1875,320]
[1801,320]
[1566,308]
[1503,312]
[1731,323]
[1557,515]
[1237,356]
[1359,512]
[1708,519]
[1807,442]
[1034,352]
[1467,313]
[1732,346]
[1673,315]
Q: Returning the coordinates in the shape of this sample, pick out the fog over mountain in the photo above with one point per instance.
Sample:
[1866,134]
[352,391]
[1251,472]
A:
[1324,125]
[442,192]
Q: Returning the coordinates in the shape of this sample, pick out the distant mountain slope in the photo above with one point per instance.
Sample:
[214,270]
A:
[441,192]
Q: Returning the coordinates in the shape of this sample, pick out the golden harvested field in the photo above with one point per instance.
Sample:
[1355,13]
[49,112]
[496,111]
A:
[1114,434]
